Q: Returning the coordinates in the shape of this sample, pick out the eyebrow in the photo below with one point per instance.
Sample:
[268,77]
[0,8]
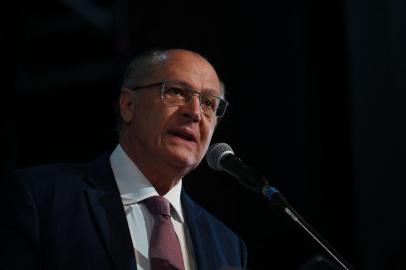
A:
[204,91]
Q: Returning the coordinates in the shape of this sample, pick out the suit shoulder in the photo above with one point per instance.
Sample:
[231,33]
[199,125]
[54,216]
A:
[50,172]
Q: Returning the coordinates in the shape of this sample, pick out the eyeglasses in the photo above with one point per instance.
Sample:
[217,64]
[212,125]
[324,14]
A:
[175,93]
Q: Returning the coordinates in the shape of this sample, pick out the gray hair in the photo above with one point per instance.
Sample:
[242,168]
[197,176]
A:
[138,67]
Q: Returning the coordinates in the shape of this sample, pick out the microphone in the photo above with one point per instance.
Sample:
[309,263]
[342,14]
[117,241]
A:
[220,157]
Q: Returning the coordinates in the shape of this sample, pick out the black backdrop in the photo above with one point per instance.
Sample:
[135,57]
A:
[316,91]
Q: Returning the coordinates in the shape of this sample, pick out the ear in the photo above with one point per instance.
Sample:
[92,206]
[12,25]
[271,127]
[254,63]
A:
[126,105]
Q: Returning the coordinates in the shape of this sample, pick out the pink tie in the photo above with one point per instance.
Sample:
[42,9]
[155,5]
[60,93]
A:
[164,246]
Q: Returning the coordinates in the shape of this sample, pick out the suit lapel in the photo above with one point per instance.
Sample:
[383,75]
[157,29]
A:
[108,212]
[200,234]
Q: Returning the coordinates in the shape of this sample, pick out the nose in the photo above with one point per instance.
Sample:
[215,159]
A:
[192,109]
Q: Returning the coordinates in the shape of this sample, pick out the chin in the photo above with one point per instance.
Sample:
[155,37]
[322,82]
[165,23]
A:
[186,162]
[184,159]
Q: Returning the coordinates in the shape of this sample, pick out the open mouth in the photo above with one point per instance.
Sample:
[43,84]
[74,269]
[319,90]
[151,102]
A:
[184,135]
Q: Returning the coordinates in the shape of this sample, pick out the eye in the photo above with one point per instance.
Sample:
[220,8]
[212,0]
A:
[175,91]
[209,102]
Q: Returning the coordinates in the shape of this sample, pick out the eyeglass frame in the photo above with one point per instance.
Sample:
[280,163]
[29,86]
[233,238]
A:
[194,93]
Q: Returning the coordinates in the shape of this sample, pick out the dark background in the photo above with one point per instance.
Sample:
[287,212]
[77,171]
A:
[317,93]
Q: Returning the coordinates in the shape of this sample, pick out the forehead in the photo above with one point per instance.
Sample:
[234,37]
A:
[188,68]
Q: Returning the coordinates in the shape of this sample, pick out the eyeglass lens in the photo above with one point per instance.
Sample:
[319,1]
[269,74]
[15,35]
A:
[178,95]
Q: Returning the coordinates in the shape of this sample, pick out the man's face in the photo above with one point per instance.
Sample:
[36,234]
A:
[176,135]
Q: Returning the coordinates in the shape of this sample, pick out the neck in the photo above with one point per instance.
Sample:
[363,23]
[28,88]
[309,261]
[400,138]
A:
[163,177]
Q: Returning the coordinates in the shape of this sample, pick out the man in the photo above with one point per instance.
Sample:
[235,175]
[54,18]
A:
[96,216]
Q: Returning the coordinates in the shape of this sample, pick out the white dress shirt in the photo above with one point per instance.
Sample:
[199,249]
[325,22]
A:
[135,187]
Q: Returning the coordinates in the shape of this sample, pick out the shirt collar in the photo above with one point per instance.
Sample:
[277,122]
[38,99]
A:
[135,187]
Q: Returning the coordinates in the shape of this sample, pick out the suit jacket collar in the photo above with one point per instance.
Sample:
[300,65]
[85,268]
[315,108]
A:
[200,234]
[108,213]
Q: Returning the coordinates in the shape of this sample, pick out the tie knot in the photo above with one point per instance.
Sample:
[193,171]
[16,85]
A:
[158,205]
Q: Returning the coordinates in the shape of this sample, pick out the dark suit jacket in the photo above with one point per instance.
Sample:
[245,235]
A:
[71,217]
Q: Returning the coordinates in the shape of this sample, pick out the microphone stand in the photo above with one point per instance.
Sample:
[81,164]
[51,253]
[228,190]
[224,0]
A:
[277,201]
[252,180]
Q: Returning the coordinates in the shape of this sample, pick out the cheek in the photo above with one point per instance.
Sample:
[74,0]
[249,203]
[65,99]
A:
[151,118]
[207,133]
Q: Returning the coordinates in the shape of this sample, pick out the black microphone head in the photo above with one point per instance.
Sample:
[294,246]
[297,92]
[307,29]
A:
[215,153]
